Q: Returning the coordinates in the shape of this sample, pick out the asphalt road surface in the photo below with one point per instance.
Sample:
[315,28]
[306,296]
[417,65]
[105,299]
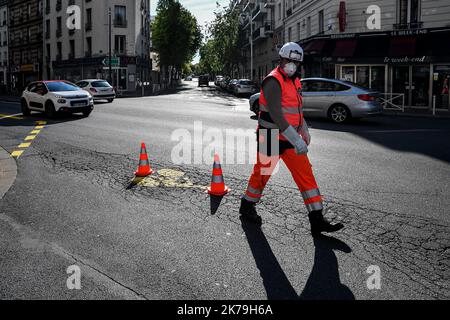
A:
[385,178]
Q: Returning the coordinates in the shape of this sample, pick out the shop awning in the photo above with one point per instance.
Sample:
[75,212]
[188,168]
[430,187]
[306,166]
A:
[402,47]
[314,47]
[344,48]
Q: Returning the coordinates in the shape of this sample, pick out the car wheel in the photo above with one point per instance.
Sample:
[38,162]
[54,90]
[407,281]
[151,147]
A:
[24,106]
[110,100]
[50,110]
[87,113]
[339,113]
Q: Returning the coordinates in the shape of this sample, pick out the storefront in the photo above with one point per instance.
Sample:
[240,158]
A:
[413,63]
[125,74]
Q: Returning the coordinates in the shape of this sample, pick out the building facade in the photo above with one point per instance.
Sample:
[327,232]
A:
[398,46]
[4,63]
[25,42]
[83,53]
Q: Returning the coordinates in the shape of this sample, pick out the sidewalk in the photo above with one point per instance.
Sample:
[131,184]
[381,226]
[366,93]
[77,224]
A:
[9,98]
[8,171]
[418,113]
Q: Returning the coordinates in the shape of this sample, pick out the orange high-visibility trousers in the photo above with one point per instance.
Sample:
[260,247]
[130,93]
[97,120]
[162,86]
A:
[301,171]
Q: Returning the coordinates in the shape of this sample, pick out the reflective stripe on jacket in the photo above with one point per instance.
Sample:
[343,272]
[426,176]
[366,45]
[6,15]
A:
[291,102]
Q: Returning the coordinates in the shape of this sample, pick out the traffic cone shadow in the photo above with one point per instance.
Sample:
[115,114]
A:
[218,189]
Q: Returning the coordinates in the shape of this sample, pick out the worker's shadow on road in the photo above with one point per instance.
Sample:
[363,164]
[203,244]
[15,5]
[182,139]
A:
[323,283]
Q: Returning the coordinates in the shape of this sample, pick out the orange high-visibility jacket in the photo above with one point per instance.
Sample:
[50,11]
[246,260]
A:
[291,102]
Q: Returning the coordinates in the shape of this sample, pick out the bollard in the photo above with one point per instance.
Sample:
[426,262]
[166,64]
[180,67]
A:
[434,105]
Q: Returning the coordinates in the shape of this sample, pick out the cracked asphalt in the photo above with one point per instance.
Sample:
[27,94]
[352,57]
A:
[386,179]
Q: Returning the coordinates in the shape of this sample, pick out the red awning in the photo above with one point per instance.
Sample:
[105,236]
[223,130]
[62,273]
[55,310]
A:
[314,47]
[344,48]
[402,47]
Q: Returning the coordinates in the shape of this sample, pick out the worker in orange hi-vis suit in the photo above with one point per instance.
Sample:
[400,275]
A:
[281,111]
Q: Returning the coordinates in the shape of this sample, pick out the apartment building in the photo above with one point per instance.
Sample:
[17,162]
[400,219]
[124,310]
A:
[263,23]
[4,64]
[407,53]
[81,53]
[25,42]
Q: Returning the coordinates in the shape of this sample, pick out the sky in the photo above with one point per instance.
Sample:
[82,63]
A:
[203,10]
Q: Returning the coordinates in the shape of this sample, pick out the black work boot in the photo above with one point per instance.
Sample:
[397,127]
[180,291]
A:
[248,212]
[320,224]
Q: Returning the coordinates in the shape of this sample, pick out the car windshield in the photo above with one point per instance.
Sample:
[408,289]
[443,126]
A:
[61,86]
[100,84]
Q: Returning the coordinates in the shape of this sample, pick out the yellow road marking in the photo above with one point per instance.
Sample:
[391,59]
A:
[30,138]
[41,122]
[11,116]
[39,127]
[24,145]
[35,132]
[17,154]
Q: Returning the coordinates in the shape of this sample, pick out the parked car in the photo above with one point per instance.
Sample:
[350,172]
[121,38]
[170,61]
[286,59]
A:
[99,89]
[337,100]
[244,86]
[56,96]
[218,80]
[224,83]
[203,80]
[231,84]
[188,78]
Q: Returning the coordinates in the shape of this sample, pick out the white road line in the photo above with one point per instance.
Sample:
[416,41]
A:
[11,115]
[405,131]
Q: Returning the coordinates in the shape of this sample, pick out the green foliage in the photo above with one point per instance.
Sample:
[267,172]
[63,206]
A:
[222,52]
[176,35]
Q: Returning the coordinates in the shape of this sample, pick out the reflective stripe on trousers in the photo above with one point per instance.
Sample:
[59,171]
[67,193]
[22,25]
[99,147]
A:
[301,171]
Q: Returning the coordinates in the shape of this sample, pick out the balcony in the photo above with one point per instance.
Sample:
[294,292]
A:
[88,26]
[120,23]
[268,28]
[406,26]
[259,12]
[259,34]
[58,33]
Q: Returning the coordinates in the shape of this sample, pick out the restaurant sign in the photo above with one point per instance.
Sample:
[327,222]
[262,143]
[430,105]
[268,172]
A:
[406,59]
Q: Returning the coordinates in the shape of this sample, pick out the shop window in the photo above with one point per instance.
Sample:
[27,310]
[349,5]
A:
[362,76]
[348,73]
[441,86]
[377,80]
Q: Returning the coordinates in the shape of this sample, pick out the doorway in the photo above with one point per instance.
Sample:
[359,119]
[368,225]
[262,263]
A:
[413,82]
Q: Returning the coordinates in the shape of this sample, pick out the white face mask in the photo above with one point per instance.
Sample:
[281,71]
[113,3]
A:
[290,69]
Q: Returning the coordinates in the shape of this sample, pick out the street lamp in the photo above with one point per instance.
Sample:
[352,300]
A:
[245,16]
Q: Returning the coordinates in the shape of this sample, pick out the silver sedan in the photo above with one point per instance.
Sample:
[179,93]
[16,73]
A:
[334,99]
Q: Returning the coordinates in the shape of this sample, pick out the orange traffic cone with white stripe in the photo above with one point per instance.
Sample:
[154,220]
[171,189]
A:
[218,187]
[144,169]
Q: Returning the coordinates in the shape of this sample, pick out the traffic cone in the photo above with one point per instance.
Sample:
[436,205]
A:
[218,187]
[144,169]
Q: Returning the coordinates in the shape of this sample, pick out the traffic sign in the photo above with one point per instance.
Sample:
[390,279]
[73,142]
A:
[115,61]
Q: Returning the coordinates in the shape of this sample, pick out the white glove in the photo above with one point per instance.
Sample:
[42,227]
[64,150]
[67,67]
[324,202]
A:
[292,136]
[305,133]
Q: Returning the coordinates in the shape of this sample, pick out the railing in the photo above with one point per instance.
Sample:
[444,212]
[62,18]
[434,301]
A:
[88,26]
[411,25]
[120,23]
[393,101]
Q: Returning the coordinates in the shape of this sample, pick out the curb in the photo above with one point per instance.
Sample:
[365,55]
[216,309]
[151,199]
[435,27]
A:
[417,115]
[8,171]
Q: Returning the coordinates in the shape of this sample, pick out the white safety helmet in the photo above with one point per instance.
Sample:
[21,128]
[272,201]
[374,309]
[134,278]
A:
[292,51]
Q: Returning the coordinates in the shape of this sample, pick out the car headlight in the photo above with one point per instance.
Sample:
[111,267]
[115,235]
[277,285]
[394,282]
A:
[61,100]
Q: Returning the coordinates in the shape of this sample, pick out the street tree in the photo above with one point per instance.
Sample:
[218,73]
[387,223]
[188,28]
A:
[176,36]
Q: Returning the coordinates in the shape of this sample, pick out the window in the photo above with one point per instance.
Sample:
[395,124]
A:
[59,50]
[119,44]
[289,34]
[308,26]
[408,12]
[317,86]
[89,19]
[89,46]
[321,23]
[120,16]
[279,11]
[298,31]
[72,49]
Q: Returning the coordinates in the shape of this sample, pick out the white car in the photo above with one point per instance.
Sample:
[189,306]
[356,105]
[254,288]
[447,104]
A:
[99,89]
[56,96]
[244,86]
